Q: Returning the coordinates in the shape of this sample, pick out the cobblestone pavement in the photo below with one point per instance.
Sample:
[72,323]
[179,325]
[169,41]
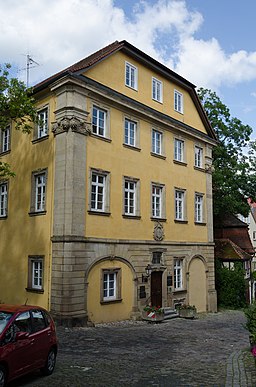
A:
[212,350]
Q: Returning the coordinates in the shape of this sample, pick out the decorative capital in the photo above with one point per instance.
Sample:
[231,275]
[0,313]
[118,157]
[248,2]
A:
[70,123]
[209,168]
[158,232]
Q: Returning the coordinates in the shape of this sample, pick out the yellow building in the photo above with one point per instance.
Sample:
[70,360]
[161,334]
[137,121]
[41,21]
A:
[111,206]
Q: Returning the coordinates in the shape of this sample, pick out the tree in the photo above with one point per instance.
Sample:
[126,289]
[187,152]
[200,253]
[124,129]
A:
[234,176]
[16,106]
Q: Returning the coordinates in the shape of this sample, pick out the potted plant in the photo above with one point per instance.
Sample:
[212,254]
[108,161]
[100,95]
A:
[187,311]
[153,313]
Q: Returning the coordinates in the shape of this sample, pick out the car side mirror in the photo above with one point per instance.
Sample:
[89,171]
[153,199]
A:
[22,335]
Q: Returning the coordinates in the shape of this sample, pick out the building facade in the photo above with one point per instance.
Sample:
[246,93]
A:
[111,206]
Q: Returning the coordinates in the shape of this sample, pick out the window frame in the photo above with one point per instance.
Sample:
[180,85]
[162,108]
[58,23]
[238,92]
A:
[6,146]
[180,205]
[127,129]
[155,148]
[157,90]
[136,192]
[178,269]
[31,285]
[178,102]
[179,151]
[117,285]
[201,218]
[131,76]
[105,121]
[34,192]
[105,192]
[45,125]
[4,199]
[161,202]
[198,160]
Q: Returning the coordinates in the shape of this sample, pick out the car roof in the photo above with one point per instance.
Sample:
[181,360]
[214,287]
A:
[17,308]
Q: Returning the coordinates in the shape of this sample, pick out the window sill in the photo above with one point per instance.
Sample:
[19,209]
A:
[200,223]
[180,162]
[154,219]
[106,139]
[156,100]
[158,155]
[3,217]
[106,302]
[135,148]
[37,213]
[32,290]
[5,152]
[176,291]
[181,221]
[180,112]
[39,139]
[102,213]
[126,216]
[130,87]
[200,169]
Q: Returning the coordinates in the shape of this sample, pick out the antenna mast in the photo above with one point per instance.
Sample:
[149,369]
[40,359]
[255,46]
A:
[30,65]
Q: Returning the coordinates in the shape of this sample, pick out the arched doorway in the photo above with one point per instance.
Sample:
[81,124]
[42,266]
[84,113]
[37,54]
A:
[197,284]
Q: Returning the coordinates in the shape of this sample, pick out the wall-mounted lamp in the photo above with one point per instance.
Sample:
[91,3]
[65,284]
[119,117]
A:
[148,269]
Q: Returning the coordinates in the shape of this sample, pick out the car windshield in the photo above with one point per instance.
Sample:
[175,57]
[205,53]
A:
[4,318]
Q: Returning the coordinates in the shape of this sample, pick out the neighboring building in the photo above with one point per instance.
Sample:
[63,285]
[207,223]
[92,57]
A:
[233,244]
[111,206]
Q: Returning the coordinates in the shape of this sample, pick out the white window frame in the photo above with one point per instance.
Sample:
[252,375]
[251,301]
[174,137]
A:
[42,126]
[131,76]
[5,139]
[3,199]
[179,205]
[130,132]
[198,156]
[157,142]
[109,286]
[97,128]
[98,188]
[178,274]
[37,274]
[40,192]
[178,101]
[179,150]
[199,208]
[157,201]
[157,90]
[130,197]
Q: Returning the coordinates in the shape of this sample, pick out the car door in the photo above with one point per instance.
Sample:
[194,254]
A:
[18,352]
[41,334]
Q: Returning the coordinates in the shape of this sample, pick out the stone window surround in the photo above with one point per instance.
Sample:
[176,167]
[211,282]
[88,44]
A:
[6,183]
[163,201]
[106,210]
[38,138]
[118,283]
[137,197]
[184,220]
[102,106]
[2,151]
[31,259]
[34,174]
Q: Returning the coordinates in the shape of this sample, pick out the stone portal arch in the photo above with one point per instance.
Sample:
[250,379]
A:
[197,284]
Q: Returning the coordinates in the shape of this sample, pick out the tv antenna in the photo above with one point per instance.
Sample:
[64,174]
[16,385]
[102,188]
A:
[31,63]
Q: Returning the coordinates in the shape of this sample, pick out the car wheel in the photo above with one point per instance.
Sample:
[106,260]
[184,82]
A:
[50,363]
[3,376]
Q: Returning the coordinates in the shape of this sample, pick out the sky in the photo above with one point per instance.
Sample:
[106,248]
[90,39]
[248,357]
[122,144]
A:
[209,42]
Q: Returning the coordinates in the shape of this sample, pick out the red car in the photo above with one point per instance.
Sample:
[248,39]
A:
[27,341]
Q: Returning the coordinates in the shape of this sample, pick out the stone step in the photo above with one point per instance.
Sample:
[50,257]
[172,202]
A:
[170,313]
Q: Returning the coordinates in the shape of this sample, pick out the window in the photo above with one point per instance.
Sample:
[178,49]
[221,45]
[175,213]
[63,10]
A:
[130,132]
[156,142]
[22,323]
[42,126]
[38,192]
[157,201]
[178,283]
[157,88]
[179,205]
[254,235]
[157,257]
[35,272]
[129,197]
[3,199]
[111,285]
[178,101]
[131,76]
[198,208]
[38,321]
[99,191]
[5,139]
[178,150]
[198,157]
[99,117]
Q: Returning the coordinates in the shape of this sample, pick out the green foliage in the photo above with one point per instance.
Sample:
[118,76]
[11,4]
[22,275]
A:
[234,176]
[250,314]
[16,106]
[230,286]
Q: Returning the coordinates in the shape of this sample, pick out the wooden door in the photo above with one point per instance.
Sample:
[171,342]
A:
[156,288]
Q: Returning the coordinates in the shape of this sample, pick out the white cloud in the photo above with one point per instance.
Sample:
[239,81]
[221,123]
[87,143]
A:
[57,33]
